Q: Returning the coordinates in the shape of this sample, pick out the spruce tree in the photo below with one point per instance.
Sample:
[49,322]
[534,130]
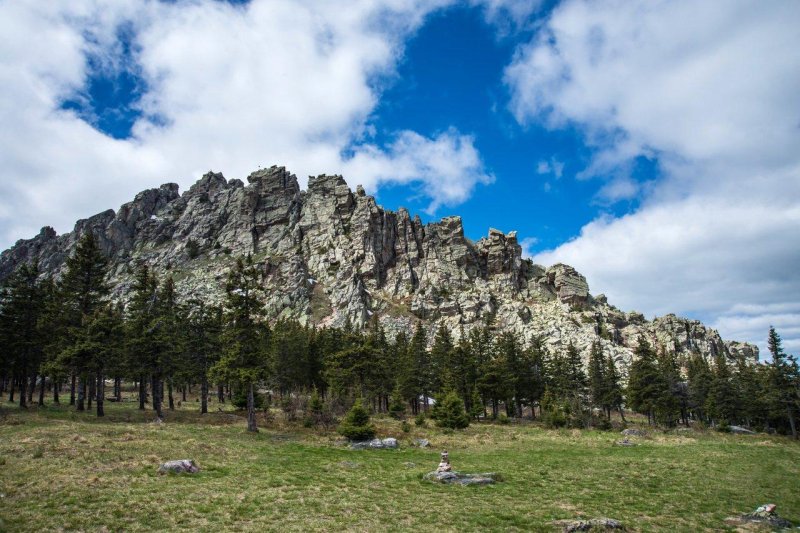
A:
[22,305]
[449,412]
[243,361]
[784,382]
[83,290]
[356,425]
[597,379]
[644,381]
[721,402]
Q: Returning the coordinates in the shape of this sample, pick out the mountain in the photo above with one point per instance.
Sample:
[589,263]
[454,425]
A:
[328,255]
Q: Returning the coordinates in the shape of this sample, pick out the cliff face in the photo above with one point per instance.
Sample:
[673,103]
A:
[328,255]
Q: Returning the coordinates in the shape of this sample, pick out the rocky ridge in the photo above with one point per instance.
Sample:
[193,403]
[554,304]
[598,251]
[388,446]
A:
[328,255]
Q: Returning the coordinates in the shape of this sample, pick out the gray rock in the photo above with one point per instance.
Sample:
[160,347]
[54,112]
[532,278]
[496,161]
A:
[328,255]
[594,524]
[625,442]
[375,444]
[181,466]
[456,478]
[765,514]
[741,430]
[422,443]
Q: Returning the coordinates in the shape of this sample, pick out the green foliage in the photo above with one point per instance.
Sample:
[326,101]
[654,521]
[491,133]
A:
[419,420]
[405,427]
[356,425]
[239,399]
[448,412]
[397,407]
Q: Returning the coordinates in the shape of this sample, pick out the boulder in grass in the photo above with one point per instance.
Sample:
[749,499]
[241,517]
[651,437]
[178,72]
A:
[763,515]
[181,466]
[456,478]
[594,524]
[633,432]
[739,430]
[422,443]
[375,444]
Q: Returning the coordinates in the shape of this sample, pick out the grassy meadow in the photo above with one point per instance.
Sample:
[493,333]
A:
[61,470]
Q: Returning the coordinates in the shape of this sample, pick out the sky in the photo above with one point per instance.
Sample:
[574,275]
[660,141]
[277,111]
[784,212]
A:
[652,145]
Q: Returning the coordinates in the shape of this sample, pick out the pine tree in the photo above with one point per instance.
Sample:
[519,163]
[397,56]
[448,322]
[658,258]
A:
[784,382]
[597,379]
[644,382]
[204,327]
[22,305]
[83,290]
[699,377]
[243,361]
[614,397]
[721,402]
[397,405]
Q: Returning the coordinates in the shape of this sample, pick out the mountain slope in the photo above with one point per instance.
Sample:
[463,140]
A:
[328,255]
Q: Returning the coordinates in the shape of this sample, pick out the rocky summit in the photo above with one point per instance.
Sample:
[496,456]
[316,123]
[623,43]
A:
[328,255]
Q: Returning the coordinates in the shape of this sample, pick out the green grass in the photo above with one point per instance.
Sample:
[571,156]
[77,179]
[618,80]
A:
[71,471]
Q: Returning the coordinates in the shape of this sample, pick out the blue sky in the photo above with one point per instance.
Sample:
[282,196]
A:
[655,146]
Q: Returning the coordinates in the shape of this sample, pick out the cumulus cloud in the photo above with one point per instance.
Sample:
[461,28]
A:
[709,90]
[224,87]
[448,167]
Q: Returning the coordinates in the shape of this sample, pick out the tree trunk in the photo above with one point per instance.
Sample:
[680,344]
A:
[183,393]
[11,391]
[32,388]
[169,395]
[23,392]
[72,391]
[41,391]
[142,393]
[118,385]
[156,391]
[56,390]
[91,393]
[251,410]
[204,395]
[792,425]
[220,394]
[100,388]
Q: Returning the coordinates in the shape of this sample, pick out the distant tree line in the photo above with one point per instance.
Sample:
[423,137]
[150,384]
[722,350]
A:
[67,335]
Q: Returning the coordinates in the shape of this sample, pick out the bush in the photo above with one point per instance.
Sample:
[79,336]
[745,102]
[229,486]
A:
[449,412]
[503,419]
[724,427]
[317,414]
[355,425]
[405,427]
[419,420]
[239,399]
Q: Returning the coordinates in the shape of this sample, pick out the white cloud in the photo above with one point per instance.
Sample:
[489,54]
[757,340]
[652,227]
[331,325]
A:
[448,166]
[527,245]
[229,88]
[710,90]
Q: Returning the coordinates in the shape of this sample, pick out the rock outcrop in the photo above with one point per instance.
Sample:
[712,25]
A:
[328,256]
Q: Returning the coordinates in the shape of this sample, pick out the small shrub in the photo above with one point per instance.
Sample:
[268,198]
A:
[239,399]
[405,427]
[356,425]
[724,427]
[449,412]
[419,420]
[503,419]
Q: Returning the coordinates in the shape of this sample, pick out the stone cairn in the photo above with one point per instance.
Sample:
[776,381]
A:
[444,474]
[444,464]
